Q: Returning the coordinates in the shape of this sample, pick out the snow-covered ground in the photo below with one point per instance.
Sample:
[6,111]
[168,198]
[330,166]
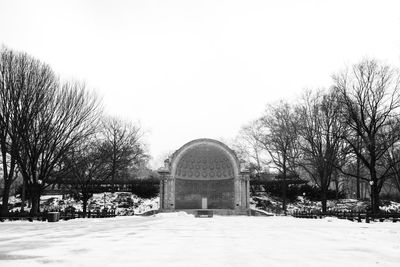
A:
[178,239]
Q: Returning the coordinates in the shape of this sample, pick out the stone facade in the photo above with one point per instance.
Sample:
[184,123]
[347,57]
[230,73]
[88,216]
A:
[204,174]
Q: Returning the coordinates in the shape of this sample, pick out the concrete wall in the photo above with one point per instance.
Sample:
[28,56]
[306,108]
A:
[219,194]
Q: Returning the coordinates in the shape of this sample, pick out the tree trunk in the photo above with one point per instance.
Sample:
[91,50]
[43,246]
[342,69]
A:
[284,186]
[374,192]
[114,163]
[8,178]
[284,194]
[84,205]
[358,162]
[358,192]
[5,198]
[375,197]
[23,195]
[323,199]
[35,194]
[35,209]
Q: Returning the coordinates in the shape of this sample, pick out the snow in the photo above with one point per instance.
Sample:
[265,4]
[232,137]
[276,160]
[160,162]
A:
[274,205]
[124,203]
[179,239]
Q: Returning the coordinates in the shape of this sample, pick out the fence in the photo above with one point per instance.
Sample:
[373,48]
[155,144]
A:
[352,216]
[68,215]
[64,215]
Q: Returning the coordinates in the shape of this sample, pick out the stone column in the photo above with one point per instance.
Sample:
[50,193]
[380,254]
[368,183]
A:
[237,193]
[245,184]
[161,194]
[171,198]
[165,189]
[242,193]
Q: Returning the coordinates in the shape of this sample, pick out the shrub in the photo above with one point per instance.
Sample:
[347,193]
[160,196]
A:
[294,191]
[146,188]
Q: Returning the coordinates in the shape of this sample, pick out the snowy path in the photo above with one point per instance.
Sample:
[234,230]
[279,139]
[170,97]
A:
[182,240]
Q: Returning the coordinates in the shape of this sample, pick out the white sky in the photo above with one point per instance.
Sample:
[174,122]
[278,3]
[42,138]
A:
[191,69]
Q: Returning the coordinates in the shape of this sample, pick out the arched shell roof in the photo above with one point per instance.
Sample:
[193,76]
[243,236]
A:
[204,159]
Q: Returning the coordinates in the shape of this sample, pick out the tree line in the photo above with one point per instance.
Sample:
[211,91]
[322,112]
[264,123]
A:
[349,131]
[53,131]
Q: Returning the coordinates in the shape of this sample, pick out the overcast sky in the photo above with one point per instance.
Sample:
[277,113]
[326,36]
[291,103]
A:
[192,69]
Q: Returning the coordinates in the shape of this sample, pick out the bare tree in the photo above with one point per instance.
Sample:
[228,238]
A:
[116,153]
[392,159]
[370,97]
[40,120]
[280,140]
[84,167]
[249,148]
[50,120]
[20,77]
[123,146]
[321,134]
[8,147]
